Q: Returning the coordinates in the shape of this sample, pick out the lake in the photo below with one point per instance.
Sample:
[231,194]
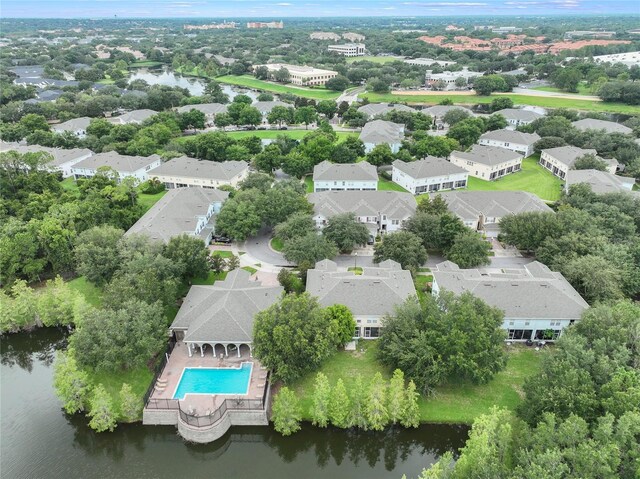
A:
[164,76]
[40,441]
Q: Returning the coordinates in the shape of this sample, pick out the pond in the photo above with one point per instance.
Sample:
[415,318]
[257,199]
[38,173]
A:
[164,76]
[40,441]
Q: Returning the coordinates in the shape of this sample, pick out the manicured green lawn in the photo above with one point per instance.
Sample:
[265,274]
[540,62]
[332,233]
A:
[139,380]
[582,90]
[70,185]
[222,253]
[420,281]
[356,270]
[387,185]
[145,63]
[248,81]
[249,269]
[547,102]
[455,403]
[308,180]
[92,293]
[372,59]
[277,244]
[147,201]
[533,178]
[210,279]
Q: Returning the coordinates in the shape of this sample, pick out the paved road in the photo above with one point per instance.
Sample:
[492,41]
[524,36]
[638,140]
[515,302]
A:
[351,96]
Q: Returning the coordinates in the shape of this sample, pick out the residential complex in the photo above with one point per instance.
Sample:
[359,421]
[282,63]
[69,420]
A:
[518,117]
[302,75]
[369,296]
[180,211]
[511,140]
[374,110]
[210,110]
[350,176]
[380,211]
[77,126]
[487,162]
[186,171]
[348,49]
[561,159]
[429,175]
[135,116]
[439,111]
[538,303]
[608,126]
[601,182]
[379,132]
[62,160]
[125,166]
[483,210]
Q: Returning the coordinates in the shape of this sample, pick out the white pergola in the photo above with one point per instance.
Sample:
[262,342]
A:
[193,346]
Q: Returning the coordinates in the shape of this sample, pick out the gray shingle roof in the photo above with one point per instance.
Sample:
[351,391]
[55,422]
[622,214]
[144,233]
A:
[267,106]
[394,204]
[193,168]
[177,212]
[569,154]
[120,163]
[468,205]
[225,311]
[378,109]
[374,293]
[532,293]
[438,111]
[73,125]
[361,171]
[608,126]
[487,155]
[601,182]
[206,108]
[381,131]
[135,116]
[511,136]
[428,167]
[60,156]
[519,114]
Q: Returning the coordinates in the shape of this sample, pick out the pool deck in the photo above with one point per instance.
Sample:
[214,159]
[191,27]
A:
[202,404]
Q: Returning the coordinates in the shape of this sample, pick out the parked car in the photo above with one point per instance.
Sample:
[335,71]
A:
[371,240]
[221,239]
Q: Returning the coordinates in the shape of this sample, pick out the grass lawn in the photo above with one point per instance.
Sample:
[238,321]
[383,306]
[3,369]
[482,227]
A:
[147,201]
[548,102]
[70,185]
[139,380]
[388,185]
[92,293]
[372,59]
[456,403]
[308,180]
[356,269]
[222,254]
[533,178]
[248,81]
[210,279]
[249,269]
[277,244]
[582,90]
[145,63]
[420,281]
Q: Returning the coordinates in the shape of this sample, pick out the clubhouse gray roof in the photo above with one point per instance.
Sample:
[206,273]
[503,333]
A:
[608,126]
[568,155]
[135,116]
[469,205]
[378,109]
[188,167]
[428,167]
[393,204]
[60,155]
[438,111]
[381,131]
[225,311]
[361,171]
[374,293]
[511,136]
[601,182]
[519,114]
[177,212]
[206,108]
[120,163]
[75,124]
[487,155]
[267,106]
[535,292]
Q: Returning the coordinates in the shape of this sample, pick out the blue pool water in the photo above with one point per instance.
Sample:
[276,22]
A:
[214,381]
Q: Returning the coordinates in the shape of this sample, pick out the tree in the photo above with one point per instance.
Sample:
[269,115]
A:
[485,85]
[233,262]
[239,219]
[286,414]
[296,226]
[269,160]
[214,90]
[327,108]
[310,248]
[130,404]
[548,142]
[502,103]
[280,114]
[71,384]
[395,396]
[495,122]
[32,122]
[403,247]
[190,253]
[358,397]
[469,250]
[339,405]
[261,72]
[435,206]
[216,263]
[467,132]
[282,75]
[119,339]
[341,323]
[265,96]
[306,115]
[380,155]
[590,162]
[281,201]
[346,232]
[527,231]
[337,83]
[348,151]
[250,115]
[101,410]
[442,338]
[96,253]
[193,119]
[594,277]
[58,304]
[455,115]
[567,79]
[320,407]
[292,337]
[222,120]
[375,408]
[290,281]
[410,413]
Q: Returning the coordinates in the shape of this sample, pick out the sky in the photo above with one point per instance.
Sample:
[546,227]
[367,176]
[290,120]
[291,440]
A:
[306,8]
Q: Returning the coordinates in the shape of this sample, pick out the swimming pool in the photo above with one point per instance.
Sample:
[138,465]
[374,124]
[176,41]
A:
[214,381]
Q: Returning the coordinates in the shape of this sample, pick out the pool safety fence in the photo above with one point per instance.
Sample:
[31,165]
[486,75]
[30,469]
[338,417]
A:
[159,369]
[204,420]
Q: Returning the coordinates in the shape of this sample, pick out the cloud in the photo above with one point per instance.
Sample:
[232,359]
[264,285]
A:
[447,4]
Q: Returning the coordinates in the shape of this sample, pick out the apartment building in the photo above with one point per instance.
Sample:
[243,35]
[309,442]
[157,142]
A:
[487,162]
